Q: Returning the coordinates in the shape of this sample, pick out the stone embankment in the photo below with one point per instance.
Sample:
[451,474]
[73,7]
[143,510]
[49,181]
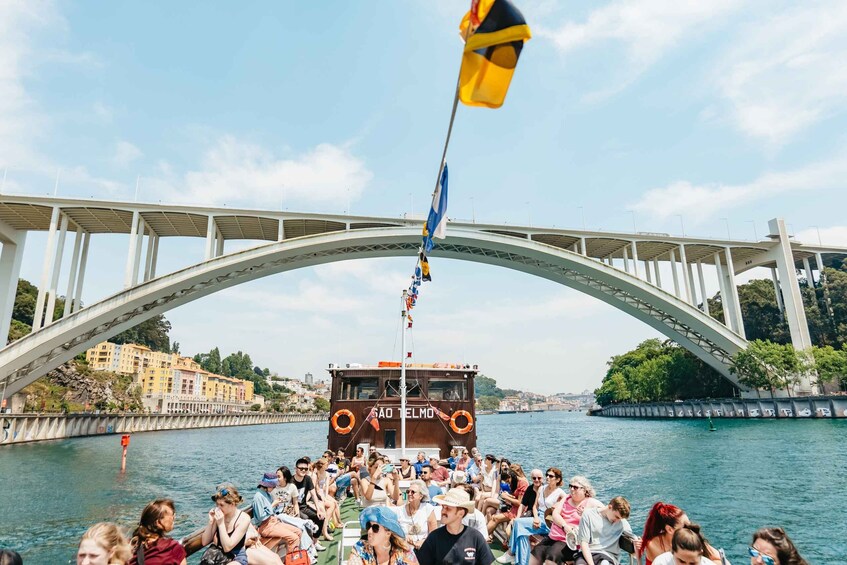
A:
[26,428]
[751,408]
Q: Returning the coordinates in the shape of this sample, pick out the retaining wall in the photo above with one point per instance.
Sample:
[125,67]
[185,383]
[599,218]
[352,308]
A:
[804,407]
[24,428]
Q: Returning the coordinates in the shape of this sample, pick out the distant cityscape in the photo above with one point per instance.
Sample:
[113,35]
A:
[563,401]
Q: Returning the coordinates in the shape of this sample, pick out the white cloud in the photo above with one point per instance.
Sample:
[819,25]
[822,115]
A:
[646,29]
[833,235]
[20,122]
[787,72]
[126,153]
[238,172]
[702,201]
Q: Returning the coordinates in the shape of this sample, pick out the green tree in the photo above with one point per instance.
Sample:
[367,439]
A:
[765,364]
[488,402]
[152,333]
[210,361]
[322,404]
[486,386]
[830,364]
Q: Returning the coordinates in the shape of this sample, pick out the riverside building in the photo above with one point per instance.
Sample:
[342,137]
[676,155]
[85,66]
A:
[171,383]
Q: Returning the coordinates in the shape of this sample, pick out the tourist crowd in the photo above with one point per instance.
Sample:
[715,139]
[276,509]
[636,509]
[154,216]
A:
[426,511]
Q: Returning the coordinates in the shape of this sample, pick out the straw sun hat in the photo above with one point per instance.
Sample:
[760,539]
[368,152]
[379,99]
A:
[457,497]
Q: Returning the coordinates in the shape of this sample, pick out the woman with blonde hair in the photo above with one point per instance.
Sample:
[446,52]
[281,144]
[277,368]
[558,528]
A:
[322,481]
[227,526]
[385,543]
[150,536]
[103,544]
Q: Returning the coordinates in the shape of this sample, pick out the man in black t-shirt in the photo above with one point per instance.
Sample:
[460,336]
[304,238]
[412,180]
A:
[454,543]
[305,493]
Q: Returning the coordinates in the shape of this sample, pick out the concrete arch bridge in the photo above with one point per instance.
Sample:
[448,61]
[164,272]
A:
[621,269]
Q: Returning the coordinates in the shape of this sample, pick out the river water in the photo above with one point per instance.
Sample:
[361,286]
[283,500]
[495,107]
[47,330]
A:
[745,475]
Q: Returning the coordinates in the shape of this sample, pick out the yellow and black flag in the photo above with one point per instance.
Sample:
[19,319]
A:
[495,32]
[425,268]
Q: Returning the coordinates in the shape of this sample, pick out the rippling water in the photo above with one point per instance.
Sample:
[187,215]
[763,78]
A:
[747,474]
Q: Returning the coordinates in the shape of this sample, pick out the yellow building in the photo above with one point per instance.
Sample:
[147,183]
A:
[126,359]
[170,381]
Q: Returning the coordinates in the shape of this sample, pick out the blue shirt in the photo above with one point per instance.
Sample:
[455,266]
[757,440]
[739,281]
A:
[262,506]
[418,467]
[434,490]
[452,463]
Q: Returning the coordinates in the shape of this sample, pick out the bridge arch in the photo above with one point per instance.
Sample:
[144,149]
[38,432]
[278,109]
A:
[34,355]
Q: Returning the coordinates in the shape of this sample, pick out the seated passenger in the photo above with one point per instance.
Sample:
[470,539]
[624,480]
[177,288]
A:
[321,480]
[772,546]
[385,543]
[662,521]
[473,519]
[513,500]
[440,474]
[599,533]
[688,547]
[418,465]
[454,456]
[407,472]
[454,542]
[463,460]
[103,543]
[12,557]
[285,493]
[375,488]
[544,497]
[416,516]
[564,522]
[491,505]
[311,508]
[227,527]
[150,536]
[271,529]
[426,477]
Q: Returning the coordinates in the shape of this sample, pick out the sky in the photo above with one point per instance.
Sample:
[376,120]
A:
[708,118]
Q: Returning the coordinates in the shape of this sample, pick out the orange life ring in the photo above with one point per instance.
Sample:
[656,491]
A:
[455,427]
[339,429]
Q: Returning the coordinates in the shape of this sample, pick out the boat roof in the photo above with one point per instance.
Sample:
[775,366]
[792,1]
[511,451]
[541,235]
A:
[388,365]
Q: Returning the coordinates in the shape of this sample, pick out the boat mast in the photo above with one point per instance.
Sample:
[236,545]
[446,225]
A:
[405,315]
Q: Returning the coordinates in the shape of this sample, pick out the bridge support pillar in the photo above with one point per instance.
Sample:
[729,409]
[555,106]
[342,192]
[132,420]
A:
[131,271]
[778,293]
[69,295]
[733,293]
[10,270]
[83,261]
[686,278]
[57,268]
[625,259]
[635,261]
[674,273]
[703,292]
[647,271]
[824,286]
[658,272]
[795,313]
[210,237]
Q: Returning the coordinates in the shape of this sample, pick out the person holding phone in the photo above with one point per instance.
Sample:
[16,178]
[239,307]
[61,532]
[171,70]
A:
[375,488]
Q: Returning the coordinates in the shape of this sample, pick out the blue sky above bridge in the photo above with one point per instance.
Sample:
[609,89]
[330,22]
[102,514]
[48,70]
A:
[643,114]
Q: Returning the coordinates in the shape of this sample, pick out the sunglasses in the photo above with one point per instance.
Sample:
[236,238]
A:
[537,478]
[413,492]
[766,559]
[302,468]
[551,476]
[575,487]
[373,527]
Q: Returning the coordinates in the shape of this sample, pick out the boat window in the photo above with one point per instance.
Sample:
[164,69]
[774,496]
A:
[358,389]
[448,389]
[413,388]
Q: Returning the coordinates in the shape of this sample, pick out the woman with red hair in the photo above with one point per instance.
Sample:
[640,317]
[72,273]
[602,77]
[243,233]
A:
[662,521]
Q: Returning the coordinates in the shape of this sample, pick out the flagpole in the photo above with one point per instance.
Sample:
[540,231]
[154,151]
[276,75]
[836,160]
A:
[405,315]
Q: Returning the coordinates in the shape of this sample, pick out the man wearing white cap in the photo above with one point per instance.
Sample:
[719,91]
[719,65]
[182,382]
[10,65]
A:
[455,543]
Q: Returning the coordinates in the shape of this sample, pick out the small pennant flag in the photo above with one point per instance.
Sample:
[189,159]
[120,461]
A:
[443,415]
[436,222]
[372,420]
[425,275]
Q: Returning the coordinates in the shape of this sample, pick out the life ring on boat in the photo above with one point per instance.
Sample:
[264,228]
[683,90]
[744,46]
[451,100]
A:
[339,429]
[456,427]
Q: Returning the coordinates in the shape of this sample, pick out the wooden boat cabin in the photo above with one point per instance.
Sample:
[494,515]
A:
[365,408]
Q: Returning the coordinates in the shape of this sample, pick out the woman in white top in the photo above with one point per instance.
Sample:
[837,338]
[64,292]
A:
[547,496]
[688,547]
[416,517]
[374,487]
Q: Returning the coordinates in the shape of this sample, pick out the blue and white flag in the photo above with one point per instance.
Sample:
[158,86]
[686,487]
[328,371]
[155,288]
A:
[436,222]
